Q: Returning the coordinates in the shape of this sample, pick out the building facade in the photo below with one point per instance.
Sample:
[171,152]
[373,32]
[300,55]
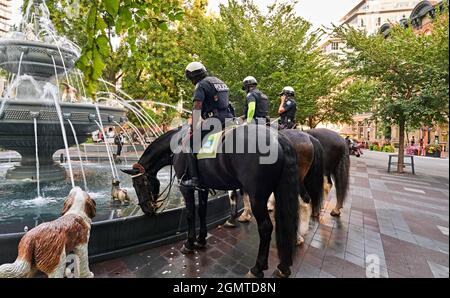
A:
[5,16]
[369,16]
[377,16]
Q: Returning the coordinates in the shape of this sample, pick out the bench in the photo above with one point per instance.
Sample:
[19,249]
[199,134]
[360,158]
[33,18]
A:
[405,163]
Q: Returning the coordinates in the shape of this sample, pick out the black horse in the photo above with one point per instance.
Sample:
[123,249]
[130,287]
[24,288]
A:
[336,164]
[240,169]
[310,178]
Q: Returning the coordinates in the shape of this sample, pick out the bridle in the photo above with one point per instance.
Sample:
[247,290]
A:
[167,189]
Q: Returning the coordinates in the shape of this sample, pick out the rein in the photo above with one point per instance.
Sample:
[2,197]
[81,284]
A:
[169,186]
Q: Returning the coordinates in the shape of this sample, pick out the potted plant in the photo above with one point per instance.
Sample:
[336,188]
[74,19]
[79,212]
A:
[433,150]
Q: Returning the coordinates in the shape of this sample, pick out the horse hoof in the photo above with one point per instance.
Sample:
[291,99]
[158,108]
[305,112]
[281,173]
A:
[250,274]
[278,274]
[200,244]
[300,241]
[186,251]
[230,224]
[335,213]
[244,218]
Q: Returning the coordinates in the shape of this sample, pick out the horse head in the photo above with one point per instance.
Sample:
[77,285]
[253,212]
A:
[147,188]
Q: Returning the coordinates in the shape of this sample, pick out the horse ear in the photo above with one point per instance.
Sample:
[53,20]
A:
[131,172]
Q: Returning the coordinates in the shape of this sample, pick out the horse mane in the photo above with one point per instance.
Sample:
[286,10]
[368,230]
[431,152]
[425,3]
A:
[157,148]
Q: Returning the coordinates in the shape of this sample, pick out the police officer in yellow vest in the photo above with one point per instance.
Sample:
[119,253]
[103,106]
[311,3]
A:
[257,103]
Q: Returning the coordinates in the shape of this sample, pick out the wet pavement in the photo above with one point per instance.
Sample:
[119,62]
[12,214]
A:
[391,226]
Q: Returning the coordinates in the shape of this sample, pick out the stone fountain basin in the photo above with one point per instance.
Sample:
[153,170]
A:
[17,132]
[17,125]
[37,58]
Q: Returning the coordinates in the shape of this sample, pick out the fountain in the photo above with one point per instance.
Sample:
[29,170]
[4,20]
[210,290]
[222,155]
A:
[36,120]
[36,57]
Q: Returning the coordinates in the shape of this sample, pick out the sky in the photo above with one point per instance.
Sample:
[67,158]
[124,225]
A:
[318,12]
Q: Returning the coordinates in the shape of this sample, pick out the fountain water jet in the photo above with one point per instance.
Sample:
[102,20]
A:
[128,137]
[38,186]
[79,152]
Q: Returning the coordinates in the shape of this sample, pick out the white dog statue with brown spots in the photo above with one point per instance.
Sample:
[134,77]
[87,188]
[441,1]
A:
[45,247]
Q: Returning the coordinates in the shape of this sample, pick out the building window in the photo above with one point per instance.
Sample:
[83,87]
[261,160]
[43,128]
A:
[334,46]
[362,23]
[378,21]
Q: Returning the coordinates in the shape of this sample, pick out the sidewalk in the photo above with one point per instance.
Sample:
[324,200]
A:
[401,221]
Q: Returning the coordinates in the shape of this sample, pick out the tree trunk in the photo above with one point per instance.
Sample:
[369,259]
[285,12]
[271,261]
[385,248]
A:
[401,146]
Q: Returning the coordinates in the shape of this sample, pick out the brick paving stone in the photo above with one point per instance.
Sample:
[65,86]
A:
[399,220]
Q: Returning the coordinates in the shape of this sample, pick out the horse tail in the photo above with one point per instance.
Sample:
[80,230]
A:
[314,177]
[341,176]
[286,211]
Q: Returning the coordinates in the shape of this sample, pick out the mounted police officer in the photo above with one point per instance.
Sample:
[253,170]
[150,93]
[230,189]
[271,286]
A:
[211,100]
[287,109]
[257,103]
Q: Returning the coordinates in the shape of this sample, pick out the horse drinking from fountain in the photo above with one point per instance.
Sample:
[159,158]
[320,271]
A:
[236,166]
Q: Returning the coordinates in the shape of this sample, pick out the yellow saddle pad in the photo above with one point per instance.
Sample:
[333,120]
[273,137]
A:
[209,148]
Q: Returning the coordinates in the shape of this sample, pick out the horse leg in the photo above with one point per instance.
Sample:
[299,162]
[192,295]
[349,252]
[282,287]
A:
[271,203]
[305,211]
[327,185]
[231,222]
[341,182]
[265,228]
[246,216]
[202,208]
[189,200]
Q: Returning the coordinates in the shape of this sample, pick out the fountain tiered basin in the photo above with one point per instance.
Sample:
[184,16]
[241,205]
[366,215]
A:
[38,66]
[17,133]
[35,58]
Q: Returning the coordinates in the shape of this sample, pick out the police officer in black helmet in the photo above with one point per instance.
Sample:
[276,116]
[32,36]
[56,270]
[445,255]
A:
[287,109]
[211,100]
[257,103]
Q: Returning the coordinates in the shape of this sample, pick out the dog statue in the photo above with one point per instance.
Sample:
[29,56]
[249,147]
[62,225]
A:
[119,194]
[45,247]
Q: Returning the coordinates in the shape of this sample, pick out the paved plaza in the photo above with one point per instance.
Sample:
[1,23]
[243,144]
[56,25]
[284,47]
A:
[400,222]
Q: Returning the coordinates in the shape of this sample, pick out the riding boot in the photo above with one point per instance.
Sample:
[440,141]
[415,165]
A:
[193,173]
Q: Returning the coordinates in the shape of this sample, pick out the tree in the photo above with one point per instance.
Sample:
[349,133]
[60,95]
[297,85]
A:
[278,49]
[411,71]
[124,19]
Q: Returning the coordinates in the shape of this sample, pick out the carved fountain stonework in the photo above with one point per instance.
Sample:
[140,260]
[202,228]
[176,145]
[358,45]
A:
[37,59]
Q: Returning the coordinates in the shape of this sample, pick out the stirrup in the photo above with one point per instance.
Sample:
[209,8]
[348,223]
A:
[190,184]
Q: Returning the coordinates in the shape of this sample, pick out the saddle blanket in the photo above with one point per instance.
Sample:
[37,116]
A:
[209,148]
